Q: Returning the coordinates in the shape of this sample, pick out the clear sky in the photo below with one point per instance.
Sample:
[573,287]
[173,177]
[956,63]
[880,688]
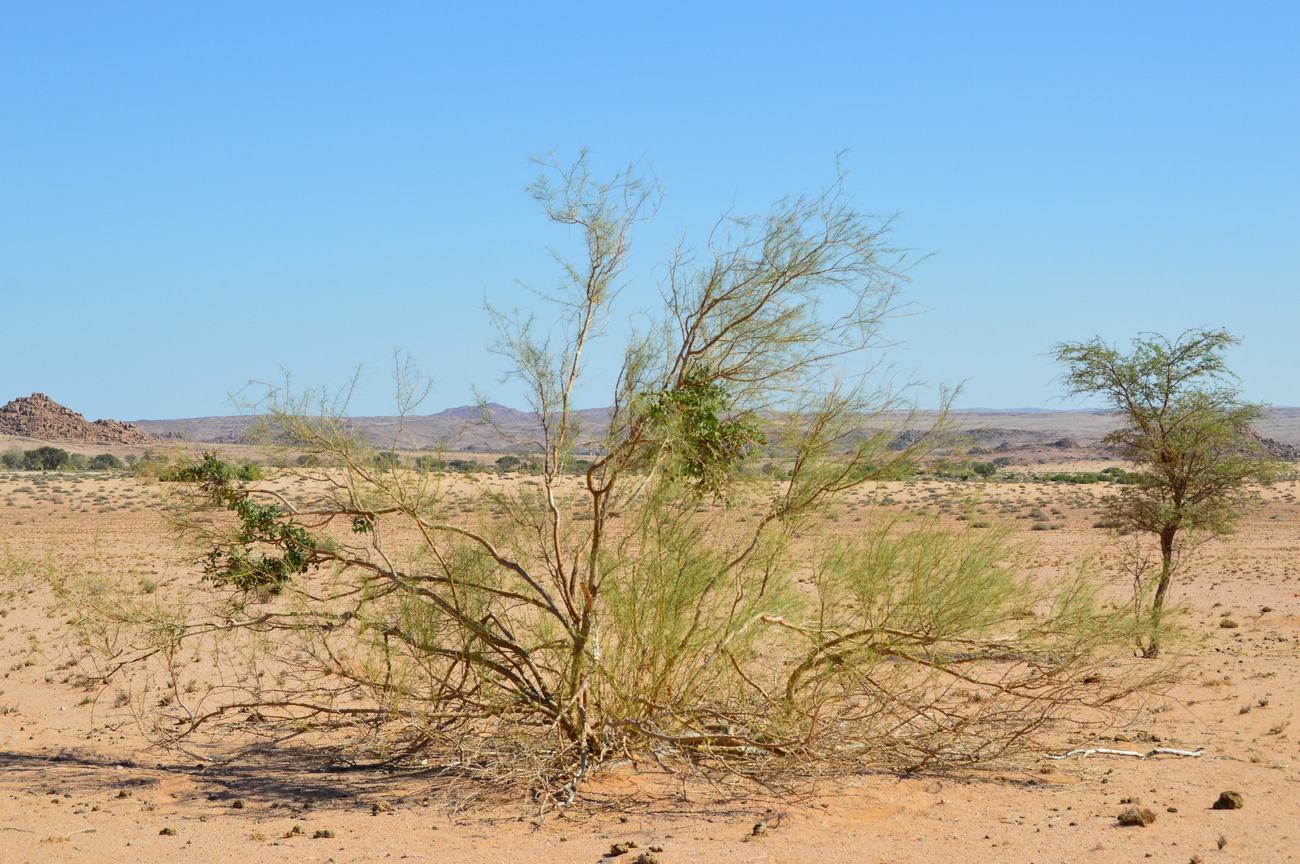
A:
[196,195]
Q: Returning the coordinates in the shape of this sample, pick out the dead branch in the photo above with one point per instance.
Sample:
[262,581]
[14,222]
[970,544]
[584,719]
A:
[1107,751]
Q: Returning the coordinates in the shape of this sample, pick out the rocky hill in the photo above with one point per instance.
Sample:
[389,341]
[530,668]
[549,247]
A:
[1278,449]
[40,417]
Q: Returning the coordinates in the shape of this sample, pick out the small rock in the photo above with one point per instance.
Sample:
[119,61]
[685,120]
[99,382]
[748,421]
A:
[620,849]
[1134,816]
[323,834]
[1229,801]
[167,832]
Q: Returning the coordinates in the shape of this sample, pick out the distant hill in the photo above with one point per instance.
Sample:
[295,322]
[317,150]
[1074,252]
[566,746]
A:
[39,417]
[1054,433]
[456,429]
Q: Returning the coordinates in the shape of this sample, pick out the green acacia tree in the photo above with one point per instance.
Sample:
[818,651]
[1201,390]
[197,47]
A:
[46,458]
[1187,433]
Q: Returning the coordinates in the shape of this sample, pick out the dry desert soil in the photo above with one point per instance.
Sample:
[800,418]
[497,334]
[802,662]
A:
[79,783]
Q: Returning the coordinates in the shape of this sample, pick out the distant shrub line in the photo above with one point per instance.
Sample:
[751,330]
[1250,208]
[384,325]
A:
[57,459]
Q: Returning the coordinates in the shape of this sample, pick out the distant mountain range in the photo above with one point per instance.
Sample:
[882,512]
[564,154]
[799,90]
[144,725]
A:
[463,429]
[1036,434]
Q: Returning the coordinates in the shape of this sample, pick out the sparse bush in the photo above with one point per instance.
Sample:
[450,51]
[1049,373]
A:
[1079,477]
[463,466]
[508,463]
[387,460]
[46,459]
[105,462]
[151,465]
[564,621]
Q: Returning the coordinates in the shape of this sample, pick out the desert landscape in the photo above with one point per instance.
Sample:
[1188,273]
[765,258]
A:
[81,782]
[649,434]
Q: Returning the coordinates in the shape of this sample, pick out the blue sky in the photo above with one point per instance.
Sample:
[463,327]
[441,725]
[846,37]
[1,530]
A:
[193,196]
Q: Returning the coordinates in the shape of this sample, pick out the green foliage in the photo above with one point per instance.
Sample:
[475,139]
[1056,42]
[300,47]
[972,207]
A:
[464,466]
[105,462]
[46,459]
[521,464]
[1115,474]
[701,437]
[267,550]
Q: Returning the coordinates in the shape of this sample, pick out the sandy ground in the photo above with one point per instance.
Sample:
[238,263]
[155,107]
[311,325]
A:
[78,783]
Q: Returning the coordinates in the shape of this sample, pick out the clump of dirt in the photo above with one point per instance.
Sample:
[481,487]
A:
[1134,816]
[40,417]
[1229,801]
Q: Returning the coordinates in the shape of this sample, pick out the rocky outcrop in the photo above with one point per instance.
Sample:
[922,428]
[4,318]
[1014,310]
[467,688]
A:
[40,417]
[1277,449]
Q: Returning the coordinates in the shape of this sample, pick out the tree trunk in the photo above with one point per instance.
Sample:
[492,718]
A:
[1162,589]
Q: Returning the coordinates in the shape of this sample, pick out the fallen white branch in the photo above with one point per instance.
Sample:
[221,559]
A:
[1107,751]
